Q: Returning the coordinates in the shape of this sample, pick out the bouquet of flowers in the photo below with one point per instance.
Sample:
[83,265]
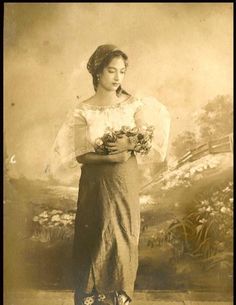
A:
[141,137]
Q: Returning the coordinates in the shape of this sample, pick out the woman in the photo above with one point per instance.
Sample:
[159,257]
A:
[108,217]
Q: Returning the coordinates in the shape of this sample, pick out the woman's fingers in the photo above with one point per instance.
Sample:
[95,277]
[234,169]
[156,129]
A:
[120,136]
[111,148]
[114,152]
[110,144]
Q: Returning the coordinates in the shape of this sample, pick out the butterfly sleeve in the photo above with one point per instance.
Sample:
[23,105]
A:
[151,112]
[82,143]
[71,141]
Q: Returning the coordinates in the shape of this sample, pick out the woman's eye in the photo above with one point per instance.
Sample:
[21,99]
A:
[113,71]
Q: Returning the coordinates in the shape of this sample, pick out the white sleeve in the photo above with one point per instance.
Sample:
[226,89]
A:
[81,135]
[152,112]
[71,141]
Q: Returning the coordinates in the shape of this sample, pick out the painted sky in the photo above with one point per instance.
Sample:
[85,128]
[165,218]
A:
[180,53]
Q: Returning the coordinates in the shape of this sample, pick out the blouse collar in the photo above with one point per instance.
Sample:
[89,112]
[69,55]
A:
[129,100]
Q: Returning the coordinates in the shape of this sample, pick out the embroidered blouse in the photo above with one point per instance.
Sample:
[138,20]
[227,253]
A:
[91,122]
[86,123]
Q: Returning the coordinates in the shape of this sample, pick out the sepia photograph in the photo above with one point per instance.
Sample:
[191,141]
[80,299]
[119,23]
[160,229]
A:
[118,153]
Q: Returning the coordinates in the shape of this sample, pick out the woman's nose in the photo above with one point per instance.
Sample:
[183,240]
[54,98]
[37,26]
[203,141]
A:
[117,76]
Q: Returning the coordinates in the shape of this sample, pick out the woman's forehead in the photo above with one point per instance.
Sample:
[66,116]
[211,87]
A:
[117,63]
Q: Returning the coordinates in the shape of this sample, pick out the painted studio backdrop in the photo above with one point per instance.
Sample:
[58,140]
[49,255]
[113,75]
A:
[179,53]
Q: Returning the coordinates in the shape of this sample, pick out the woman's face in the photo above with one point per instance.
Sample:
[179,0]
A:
[113,74]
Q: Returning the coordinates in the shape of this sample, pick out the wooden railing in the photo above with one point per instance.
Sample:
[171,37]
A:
[221,145]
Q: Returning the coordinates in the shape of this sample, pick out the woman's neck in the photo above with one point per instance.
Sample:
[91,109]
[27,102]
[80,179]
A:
[105,97]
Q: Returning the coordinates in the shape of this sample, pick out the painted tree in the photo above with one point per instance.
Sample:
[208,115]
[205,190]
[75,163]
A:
[183,143]
[216,119]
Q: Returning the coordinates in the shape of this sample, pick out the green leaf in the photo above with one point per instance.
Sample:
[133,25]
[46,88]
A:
[201,245]
[198,228]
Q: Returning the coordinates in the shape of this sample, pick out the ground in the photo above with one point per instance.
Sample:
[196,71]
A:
[155,297]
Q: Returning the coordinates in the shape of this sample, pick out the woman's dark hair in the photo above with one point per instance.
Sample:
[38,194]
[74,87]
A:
[104,64]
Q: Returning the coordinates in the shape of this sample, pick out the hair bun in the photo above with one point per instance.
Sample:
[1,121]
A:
[99,55]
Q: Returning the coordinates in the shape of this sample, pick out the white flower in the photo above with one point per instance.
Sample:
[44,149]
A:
[43,214]
[65,222]
[231,200]
[66,217]
[192,171]
[36,218]
[204,202]
[98,142]
[53,212]
[55,218]
[125,128]
[208,209]
[199,169]
[203,220]
[211,165]
[219,203]
[41,221]
[213,198]
[101,297]
[88,300]
[229,211]
[223,209]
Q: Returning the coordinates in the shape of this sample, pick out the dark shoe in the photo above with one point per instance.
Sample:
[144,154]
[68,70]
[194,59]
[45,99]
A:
[86,300]
[108,299]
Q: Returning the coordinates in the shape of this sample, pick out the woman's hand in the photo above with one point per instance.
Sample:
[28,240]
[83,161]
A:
[120,157]
[95,158]
[122,144]
[99,151]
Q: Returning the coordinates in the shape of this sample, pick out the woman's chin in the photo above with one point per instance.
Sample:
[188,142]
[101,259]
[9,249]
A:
[113,88]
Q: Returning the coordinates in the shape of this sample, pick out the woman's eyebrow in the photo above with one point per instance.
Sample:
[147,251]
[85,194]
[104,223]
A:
[110,67]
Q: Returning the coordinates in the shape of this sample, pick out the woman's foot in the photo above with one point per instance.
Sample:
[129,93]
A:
[122,299]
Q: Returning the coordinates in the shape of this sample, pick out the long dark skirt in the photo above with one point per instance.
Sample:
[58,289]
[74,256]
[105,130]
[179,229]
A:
[107,228]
